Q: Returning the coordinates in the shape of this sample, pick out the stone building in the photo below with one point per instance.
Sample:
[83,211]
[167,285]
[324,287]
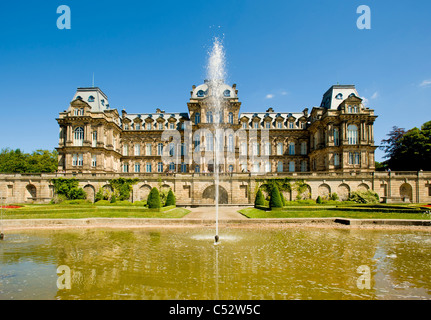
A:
[330,148]
[335,137]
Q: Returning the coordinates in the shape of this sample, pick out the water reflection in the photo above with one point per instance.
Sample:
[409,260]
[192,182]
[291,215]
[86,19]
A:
[247,264]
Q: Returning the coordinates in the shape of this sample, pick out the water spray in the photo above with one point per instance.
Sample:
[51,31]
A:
[216,76]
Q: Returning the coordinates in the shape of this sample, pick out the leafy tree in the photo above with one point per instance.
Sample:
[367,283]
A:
[16,161]
[275,198]
[101,195]
[408,150]
[153,200]
[68,188]
[170,199]
[260,199]
[122,187]
[368,196]
[13,161]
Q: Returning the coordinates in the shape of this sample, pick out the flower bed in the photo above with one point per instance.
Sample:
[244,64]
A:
[10,207]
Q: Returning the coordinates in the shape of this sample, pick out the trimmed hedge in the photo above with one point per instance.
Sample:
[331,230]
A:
[170,199]
[153,201]
[275,198]
[260,199]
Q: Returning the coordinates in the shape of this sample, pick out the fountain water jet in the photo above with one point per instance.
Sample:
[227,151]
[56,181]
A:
[216,74]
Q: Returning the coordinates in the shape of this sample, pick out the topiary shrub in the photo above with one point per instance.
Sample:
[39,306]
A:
[275,198]
[170,199]
[260,199]
[153,200]
[319,200]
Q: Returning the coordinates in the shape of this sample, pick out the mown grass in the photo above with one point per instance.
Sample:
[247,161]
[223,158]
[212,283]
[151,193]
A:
[80,211]
[352,212]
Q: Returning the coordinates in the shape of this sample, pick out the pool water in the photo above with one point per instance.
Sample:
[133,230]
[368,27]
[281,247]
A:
[248,263]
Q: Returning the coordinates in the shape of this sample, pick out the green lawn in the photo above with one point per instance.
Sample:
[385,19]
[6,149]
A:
[340,212]
[79,211]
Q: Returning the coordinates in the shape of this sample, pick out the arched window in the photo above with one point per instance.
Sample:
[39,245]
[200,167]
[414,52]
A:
[219,116]
[209,117]
[291,148]
[336,159]
[209,142]
[292,166]
[352,134]
[160,149]
[90,99]
[200,93]
[231,147]
[267,166]
[148,167]
[336,137]
[230,118]
[160,167]
[172,166]
[303,166]
[78,136]
[280,166]
[280,149]
[171,149]
[137,167]
[339,96]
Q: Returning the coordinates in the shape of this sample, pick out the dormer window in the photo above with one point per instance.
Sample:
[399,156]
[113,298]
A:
[200,93]
[102,102]
[226,93]
[79,97]
[339,96]
[90,99]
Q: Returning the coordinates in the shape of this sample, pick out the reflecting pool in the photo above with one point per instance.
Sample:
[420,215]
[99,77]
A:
[184,263]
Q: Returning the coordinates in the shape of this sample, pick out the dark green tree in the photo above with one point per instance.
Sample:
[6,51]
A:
[260,199]
[408,150]
[153,200]
[170,199]
[16,161]
[275,198]
[69,188]
[122,187]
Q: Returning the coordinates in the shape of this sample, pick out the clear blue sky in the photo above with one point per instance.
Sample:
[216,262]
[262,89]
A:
[148,54]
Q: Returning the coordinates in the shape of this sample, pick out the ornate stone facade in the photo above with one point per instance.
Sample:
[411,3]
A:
[330,148]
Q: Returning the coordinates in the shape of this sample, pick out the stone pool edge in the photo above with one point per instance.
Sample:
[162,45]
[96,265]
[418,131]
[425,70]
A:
[14,224]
